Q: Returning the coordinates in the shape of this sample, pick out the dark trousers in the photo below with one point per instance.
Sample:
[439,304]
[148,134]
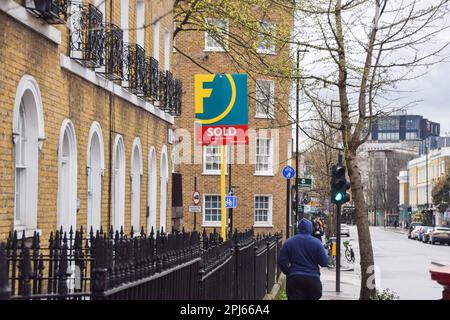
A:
[303,288]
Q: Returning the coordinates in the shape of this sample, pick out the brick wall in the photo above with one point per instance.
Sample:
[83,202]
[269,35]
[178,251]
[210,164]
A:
[65,95]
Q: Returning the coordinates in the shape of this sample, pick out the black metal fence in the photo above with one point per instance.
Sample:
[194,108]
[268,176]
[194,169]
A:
[113,265]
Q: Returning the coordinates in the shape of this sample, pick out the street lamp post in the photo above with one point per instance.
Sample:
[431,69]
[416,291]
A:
[297,105]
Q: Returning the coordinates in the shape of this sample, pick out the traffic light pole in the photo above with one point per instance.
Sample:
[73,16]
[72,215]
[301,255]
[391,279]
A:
[338,248]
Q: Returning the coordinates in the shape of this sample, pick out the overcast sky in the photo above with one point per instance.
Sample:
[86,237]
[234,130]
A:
[434,91]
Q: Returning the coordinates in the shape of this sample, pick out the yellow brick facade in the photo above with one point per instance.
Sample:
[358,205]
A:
[67,96]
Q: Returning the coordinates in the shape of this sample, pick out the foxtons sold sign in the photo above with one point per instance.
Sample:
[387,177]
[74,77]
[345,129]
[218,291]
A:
[221,109]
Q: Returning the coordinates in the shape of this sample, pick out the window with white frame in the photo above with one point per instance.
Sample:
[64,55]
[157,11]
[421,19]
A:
[263,156]
[212,159]
[266,43]
[442,169]
[263,210]
[265,96]
[20,148]
[212,210]
[166,49]
[216,39]
[156,40]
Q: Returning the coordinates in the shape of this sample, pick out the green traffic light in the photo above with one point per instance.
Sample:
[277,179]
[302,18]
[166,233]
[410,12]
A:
[338,197]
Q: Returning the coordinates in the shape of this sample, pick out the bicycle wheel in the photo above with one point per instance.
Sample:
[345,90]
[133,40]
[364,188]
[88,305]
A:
[348,255]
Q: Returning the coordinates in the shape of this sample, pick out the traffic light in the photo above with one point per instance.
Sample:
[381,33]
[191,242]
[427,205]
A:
[409,210]
[339,185]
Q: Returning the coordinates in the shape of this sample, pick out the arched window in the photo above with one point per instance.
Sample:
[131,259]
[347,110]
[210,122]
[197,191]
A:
[95,168]
[140,22]
[118,196]
[136,172]
[28,135]
[152,189]
[67,176]
[163,176]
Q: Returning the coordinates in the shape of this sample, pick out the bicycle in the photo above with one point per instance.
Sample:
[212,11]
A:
[349,253]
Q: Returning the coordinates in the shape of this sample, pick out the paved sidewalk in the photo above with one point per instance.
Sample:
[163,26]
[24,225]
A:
[350,284]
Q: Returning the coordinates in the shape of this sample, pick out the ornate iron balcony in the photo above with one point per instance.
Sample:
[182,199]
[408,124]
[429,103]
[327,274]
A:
[177,101]
[151,80]
[134,67]
[112,64]
[52,11]
[87,38]
[166,85]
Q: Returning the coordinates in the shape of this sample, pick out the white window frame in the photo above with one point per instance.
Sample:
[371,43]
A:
[211,223]
[215,171]
[268,223]
[140,23]
[271,50]
[136,184]
[217,47]
[167,50]
[156,40]
[270,113]
[269,171]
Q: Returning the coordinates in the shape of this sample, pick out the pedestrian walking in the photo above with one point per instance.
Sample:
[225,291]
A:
[300,258]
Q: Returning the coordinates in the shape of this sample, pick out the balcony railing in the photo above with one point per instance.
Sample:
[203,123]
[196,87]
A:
[177,100]
[52,11]
[134,66]
[111,66]
[166,86]
[151,81]
[86,35]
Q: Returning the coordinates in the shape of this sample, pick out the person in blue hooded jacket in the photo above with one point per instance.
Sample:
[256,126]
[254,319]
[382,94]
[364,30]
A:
[300,258]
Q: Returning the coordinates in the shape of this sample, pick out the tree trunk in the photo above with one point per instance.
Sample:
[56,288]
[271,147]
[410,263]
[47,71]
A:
[365,243]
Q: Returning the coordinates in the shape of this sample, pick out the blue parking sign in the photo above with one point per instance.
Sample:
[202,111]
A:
[230,202]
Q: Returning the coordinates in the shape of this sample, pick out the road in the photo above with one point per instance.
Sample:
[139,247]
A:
[403,265]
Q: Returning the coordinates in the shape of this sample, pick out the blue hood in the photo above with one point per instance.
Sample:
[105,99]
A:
[305,226]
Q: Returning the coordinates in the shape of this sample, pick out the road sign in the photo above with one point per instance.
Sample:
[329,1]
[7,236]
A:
[221,109]
[304,182]
[196,197]
[288,172]
[195,209]
[230,202]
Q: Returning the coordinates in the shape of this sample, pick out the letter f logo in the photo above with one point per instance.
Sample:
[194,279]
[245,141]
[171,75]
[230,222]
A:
[200,92]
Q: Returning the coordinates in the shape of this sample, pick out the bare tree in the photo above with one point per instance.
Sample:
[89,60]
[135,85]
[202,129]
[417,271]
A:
[360,51]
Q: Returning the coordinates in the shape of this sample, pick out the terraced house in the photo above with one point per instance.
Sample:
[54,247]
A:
[87,103]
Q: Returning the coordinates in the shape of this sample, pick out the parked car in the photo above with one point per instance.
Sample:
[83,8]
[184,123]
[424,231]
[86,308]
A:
[412,226]
[345,230]
[415,232]
[426,235]
[441,235]
[422,231]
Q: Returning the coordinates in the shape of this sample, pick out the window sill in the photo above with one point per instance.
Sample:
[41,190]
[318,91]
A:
[264,174]
[264,117]
[214,50]
[211,225]
[28,232]
[266,51]
[263,225]
[212,173]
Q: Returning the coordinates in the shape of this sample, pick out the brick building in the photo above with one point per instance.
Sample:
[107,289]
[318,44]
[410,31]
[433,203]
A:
[87,103]
[256,177]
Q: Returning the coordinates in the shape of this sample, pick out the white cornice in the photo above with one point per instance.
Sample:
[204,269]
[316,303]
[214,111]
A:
[20,14]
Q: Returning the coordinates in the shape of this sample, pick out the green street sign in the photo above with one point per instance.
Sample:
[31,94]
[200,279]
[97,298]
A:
[304,182]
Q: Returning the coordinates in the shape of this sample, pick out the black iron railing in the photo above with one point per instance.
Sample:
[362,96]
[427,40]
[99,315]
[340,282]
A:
[151,80]
[134,68]
[160,266]
[52,11]
[171,91]
[111,64]
[87,37]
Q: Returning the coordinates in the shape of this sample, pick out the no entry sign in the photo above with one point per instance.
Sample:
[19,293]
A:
[221,109]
